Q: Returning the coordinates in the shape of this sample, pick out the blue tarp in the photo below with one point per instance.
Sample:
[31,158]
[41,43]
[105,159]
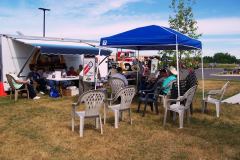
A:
[151,38]
[70,49]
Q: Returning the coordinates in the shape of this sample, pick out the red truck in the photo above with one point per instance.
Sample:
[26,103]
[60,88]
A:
[125,58]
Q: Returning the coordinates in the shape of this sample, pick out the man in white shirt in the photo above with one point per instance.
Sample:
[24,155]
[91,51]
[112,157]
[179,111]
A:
[120,76]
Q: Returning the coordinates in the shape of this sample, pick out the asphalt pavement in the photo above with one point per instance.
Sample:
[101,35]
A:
[209,71]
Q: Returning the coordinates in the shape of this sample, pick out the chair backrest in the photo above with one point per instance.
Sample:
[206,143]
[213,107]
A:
[174,90]
[188,96]
[223,90]
[116,84]
[10,80]
[126,94]
[93,100]
[170,86]
[191,79]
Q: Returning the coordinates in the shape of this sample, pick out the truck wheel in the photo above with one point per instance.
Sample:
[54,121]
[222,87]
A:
[128,67]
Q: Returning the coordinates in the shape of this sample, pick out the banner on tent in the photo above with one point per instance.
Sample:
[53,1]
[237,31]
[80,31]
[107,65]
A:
[154,65]
[89,70]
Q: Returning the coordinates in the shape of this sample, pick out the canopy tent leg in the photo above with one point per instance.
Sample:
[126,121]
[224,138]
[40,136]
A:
[138,68]
[178,76]
[203,84]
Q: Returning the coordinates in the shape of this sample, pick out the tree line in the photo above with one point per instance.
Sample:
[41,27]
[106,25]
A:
[224,58]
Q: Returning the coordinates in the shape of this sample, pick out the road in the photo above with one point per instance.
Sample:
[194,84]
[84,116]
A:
[209,71]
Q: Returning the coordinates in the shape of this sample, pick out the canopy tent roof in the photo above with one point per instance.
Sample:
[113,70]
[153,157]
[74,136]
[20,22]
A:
[151,38]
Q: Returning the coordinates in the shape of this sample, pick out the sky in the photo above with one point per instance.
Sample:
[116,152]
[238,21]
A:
[218,20]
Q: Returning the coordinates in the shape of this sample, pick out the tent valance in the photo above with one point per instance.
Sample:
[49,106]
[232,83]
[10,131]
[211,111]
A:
[66,49]
[151,38]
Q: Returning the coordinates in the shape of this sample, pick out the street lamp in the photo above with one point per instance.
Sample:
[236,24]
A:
[44,10]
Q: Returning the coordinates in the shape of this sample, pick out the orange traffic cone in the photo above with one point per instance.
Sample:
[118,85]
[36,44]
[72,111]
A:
[2,92]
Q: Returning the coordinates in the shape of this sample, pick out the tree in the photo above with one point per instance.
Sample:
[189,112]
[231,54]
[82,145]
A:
[208,59]
[183,21]
[220,57]
[224,58]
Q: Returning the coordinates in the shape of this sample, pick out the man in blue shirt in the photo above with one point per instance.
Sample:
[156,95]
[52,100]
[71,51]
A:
[169,79]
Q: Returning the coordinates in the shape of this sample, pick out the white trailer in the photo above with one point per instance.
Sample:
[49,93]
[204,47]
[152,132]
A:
[17,52]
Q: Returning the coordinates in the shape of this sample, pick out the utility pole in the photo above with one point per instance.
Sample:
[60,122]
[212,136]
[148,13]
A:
[44,10]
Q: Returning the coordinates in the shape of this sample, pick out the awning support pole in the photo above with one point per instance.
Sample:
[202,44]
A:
[31,54]
[103,60]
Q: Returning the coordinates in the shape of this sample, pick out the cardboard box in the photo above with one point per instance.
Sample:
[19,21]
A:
[70,92]
[66,92]
[74,92]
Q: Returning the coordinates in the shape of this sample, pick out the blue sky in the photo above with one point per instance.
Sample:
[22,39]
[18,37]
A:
[218,20]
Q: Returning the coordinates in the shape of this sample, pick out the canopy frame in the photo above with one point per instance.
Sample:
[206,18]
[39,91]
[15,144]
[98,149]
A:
[140,42]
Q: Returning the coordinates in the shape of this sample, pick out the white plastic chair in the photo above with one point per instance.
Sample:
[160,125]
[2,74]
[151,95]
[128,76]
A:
[126,94]
[10,80]
[93,101]
[116,84]
[217,101]
[178,107]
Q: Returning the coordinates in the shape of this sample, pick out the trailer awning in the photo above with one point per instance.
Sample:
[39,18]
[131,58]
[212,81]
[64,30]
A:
[66,48]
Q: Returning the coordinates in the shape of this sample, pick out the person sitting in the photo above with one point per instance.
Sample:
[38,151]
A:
[19,84]
[152,84]
[35,78]
[168,80]
[120,76]
[80,68]
[72,72]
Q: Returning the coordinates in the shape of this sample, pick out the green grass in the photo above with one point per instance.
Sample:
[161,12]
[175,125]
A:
[226,66]
[42,130]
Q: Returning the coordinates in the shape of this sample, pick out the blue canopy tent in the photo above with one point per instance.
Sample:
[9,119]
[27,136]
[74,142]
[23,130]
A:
[152,38]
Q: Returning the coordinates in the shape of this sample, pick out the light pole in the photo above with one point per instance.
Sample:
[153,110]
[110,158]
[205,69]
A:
[44,10]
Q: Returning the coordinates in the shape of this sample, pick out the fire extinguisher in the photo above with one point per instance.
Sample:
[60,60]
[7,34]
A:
[87,67]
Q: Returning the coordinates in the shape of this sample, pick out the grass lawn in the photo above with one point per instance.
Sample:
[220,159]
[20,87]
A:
[41,129]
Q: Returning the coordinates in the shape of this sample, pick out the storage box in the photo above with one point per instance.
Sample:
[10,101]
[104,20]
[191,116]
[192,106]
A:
[74,91]
[70,92]
[66,92]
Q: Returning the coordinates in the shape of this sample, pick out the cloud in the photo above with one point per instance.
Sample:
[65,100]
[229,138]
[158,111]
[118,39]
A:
[92,19]
[223,26]
[86,7]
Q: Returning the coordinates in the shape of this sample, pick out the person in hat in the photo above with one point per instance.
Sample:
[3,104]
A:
[120,75]
[172,77]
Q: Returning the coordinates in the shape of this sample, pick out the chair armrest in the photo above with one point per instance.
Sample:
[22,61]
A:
[176,100]
[144,91]
[74,104]
[173,100]
[214,92]
[161,95]
[149,94]
[109,99]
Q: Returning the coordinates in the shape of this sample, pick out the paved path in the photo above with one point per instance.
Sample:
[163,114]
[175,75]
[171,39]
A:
[208,74]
